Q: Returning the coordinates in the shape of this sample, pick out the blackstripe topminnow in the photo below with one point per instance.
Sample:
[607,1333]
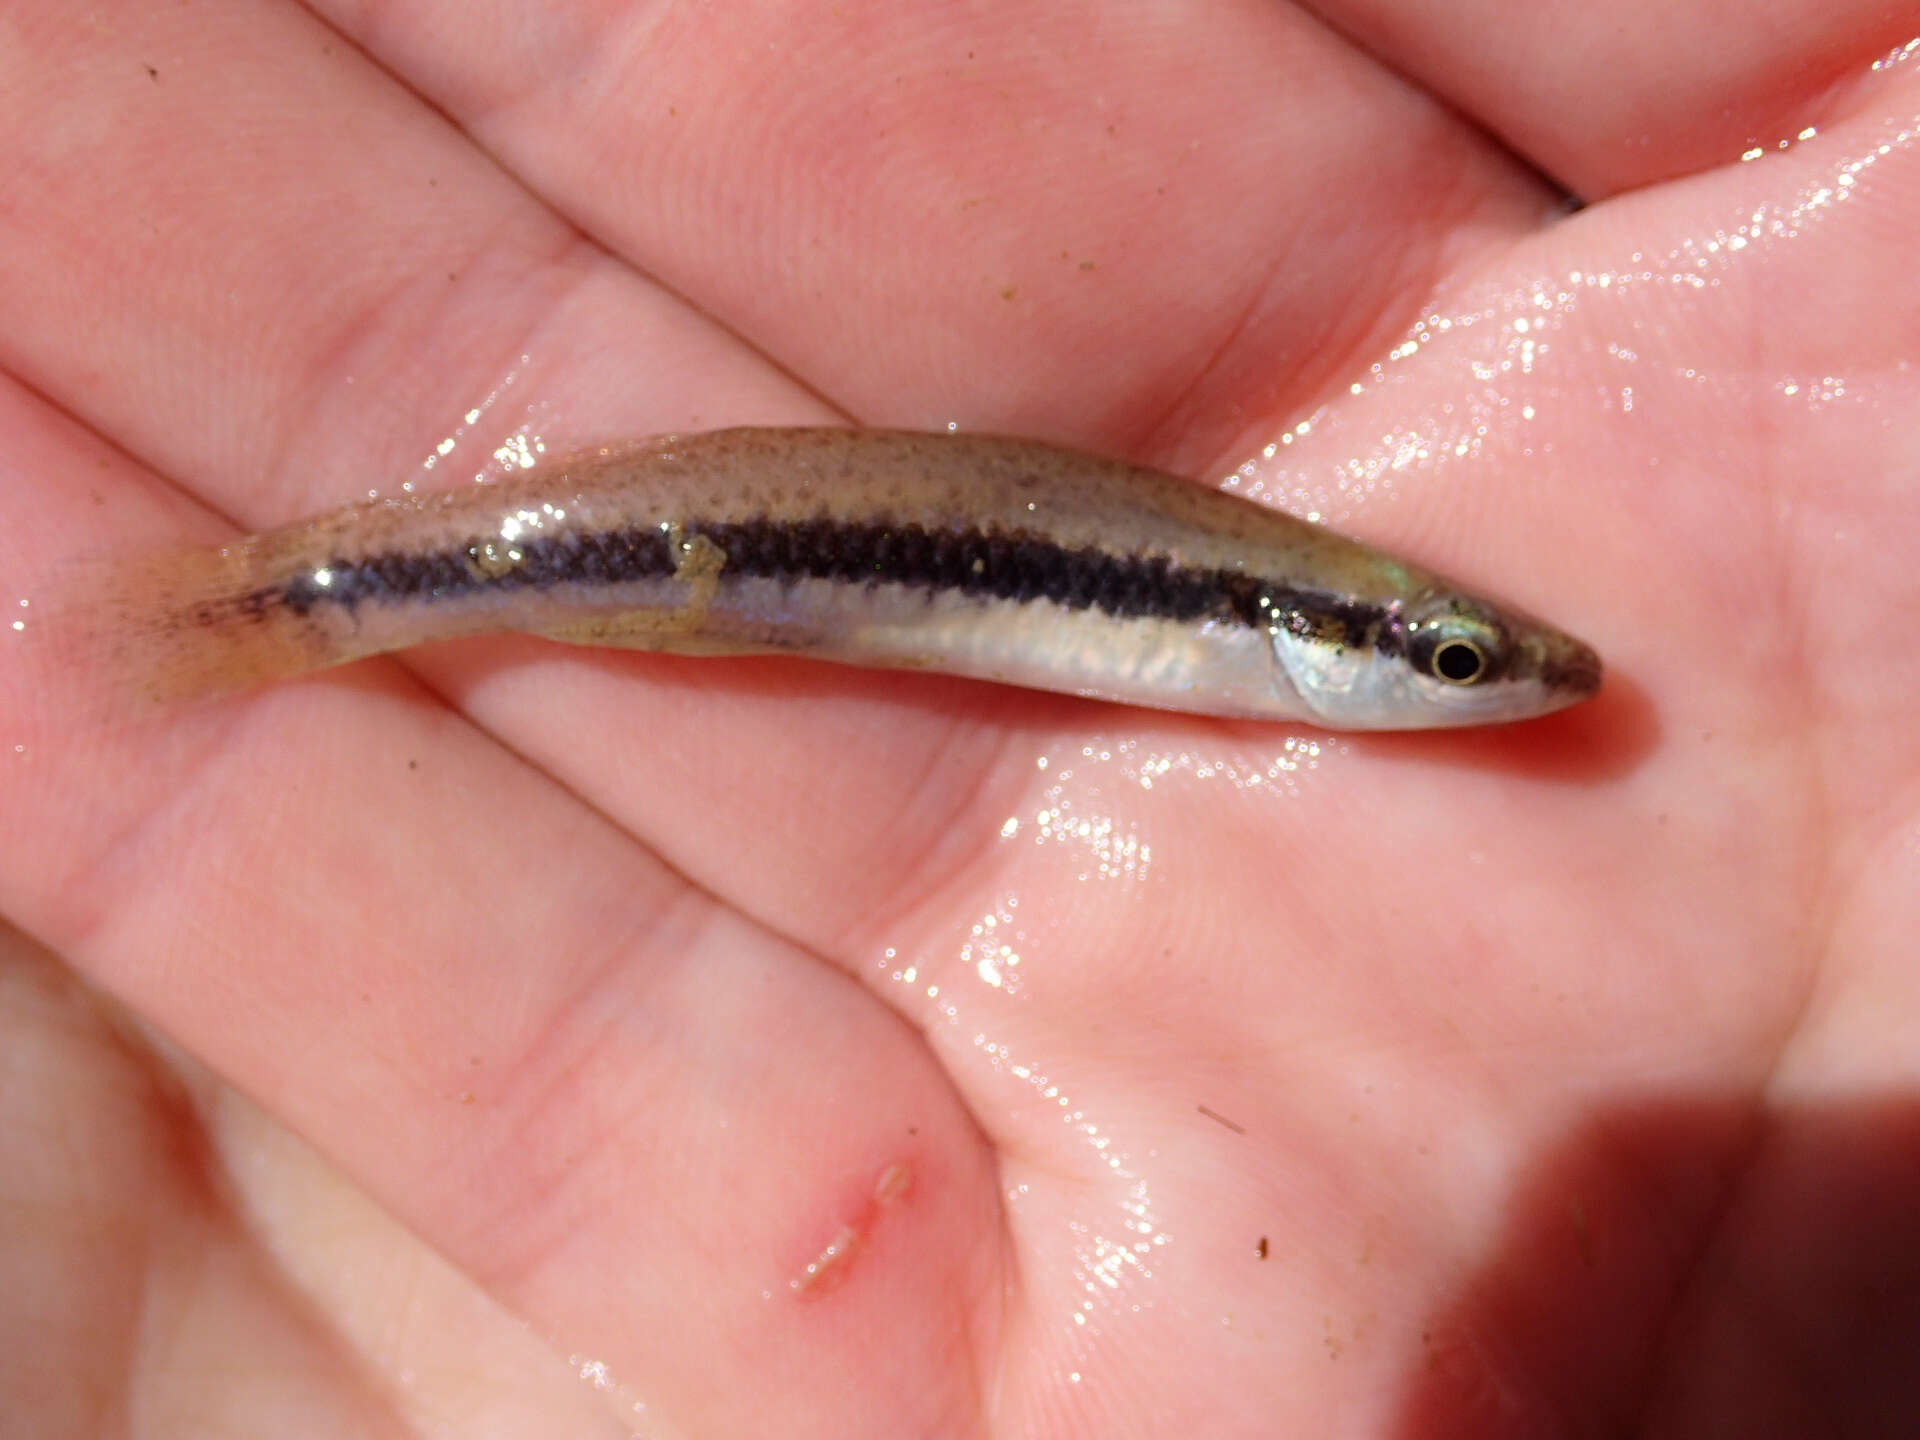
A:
[974,555]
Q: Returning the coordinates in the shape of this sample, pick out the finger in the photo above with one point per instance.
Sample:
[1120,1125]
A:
[1071,222]
[237,242]
[1605,99]
[126,1285]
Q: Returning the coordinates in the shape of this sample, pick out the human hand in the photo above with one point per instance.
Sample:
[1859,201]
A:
[1131,1074]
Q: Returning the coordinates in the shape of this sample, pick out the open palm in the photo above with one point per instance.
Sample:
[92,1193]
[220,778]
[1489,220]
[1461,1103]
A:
[793,1050]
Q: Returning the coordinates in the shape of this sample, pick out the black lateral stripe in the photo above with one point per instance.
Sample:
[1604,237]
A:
[1003,565]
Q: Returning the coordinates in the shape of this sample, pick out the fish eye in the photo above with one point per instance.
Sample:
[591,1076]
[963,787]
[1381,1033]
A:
[1457,650]
[1459,662]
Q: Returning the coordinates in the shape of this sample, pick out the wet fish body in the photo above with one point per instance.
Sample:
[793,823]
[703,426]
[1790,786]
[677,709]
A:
[997,558]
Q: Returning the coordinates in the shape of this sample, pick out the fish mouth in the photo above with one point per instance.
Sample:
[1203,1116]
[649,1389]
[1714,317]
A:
[1571,669]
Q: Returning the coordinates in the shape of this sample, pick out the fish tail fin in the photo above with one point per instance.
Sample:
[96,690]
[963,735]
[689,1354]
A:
[156,630]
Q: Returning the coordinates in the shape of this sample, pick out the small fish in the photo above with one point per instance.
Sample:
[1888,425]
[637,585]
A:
[972,555]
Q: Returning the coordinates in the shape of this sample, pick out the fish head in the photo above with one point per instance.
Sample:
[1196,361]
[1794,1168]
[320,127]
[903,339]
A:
[1438,659]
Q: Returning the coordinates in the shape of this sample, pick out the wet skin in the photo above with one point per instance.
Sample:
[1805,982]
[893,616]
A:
[855,1055]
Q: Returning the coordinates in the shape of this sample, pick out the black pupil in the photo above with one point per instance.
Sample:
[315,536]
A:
[1457,661]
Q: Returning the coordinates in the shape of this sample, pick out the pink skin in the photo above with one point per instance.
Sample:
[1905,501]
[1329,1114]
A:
[1569,1069]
